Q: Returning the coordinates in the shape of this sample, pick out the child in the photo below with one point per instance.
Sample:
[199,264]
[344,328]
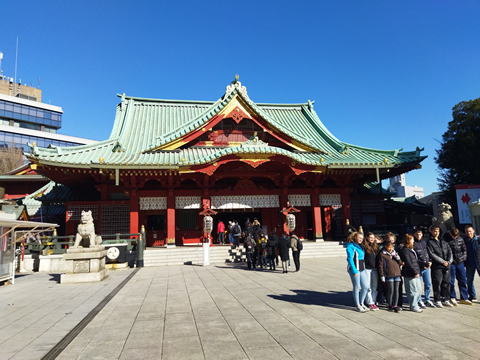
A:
[389,271]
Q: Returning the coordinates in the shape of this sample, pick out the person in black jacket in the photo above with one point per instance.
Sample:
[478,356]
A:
[371,251]
[441,255]
[237,233]
[272,244]
[284,249]
[249,232]
[411,272]
[424,262]
[457,269]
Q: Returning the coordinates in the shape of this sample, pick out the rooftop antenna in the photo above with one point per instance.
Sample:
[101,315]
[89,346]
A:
[16,58]
[1,57]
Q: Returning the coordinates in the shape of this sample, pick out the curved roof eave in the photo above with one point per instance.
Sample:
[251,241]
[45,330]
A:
[192,125]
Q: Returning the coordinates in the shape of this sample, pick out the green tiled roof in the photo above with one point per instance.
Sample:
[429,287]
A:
[142,125]
[372,188]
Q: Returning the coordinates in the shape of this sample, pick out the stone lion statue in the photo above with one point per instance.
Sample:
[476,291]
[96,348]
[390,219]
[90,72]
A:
[445,219]
[86,231]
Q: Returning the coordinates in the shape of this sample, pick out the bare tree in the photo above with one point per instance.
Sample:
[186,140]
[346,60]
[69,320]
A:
[10,158]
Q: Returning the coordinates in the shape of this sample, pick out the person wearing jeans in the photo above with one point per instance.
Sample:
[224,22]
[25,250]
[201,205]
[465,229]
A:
[370,247]
[356,270]
[457,269]
[420,247]
[389,271]
[411,273]
[473,260]
[221,232]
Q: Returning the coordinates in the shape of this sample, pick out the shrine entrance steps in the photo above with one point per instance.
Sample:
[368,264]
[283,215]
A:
[193,255]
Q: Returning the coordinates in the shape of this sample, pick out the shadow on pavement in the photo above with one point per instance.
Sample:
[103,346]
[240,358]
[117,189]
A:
[55,277]
[334,299]
[23,275]
[243,266]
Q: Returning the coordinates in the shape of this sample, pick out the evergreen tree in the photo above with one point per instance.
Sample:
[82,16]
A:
[458,159]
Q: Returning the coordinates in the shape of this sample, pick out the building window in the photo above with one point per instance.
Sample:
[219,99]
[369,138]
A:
[186,219]
[31,114]
[50,130]
[30,126]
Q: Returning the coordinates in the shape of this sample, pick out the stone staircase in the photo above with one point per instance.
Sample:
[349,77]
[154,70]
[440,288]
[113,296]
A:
[193,255]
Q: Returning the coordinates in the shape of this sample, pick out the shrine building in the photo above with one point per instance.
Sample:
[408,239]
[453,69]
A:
[165,160]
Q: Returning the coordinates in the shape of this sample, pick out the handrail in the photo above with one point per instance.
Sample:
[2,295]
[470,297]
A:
[54,244]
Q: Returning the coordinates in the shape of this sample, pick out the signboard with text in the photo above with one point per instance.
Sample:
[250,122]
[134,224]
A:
[466,194]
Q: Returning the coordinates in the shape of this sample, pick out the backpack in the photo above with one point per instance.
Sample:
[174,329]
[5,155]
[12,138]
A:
[263,243]
[248,244]
[236,230]
[299,245]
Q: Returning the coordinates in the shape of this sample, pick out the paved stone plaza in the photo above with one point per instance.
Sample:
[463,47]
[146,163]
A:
[225,312]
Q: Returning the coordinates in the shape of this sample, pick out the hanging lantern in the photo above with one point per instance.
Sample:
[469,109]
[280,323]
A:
[291,222]
[208,224]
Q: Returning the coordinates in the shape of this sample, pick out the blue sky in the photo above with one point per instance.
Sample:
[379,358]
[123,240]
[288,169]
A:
[383,74]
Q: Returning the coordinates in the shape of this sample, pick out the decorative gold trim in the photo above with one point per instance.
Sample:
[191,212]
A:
[170,146]
[235,102]
[300,146]
[255,157]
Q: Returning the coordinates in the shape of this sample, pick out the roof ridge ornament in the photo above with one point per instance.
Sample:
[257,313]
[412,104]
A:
[254,140]
[235,84]
[310,105]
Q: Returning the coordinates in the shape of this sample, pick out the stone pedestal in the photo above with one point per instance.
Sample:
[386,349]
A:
[84,265]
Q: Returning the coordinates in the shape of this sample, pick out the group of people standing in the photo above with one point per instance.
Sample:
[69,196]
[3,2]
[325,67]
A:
[378,268]
[261,250]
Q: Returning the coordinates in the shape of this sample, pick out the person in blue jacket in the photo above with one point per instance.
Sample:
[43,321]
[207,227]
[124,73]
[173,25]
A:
[473,260]
[356,270]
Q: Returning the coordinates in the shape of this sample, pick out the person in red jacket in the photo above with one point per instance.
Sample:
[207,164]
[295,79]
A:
[221,232]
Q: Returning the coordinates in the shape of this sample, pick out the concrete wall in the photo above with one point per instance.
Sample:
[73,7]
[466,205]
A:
[8,88]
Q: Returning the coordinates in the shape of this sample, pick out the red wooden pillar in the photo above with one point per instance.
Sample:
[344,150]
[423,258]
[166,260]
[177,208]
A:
[134,207]
[170,218]
[317,217]
[283,205]
[103,192]
[346,209]
[328,213]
